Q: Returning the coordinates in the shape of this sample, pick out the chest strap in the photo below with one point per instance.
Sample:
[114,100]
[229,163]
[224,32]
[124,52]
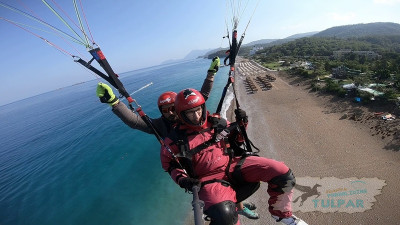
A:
[186,152]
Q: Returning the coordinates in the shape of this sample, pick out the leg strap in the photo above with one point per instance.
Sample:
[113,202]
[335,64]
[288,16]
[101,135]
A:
[243,188]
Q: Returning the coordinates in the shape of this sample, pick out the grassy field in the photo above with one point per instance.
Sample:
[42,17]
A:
[273,66]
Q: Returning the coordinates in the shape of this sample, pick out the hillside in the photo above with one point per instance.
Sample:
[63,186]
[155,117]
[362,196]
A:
[360,30]
[245,49]
[324,46]
[369,53]
[308,34]
[382,38]
[379,37]
[260,42]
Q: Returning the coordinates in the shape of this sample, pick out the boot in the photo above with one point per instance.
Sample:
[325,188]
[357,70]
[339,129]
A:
[248,213]
[250,205]
[293,220]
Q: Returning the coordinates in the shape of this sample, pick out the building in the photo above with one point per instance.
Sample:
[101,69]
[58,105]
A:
[368,54]
[255,49]
[342,72]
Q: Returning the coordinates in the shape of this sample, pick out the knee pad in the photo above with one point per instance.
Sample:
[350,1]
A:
[285,182]
[223,213]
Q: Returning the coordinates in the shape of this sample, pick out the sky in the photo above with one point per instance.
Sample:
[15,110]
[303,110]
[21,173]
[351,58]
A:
[143,33]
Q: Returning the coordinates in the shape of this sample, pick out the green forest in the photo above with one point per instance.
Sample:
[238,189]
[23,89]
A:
[381,66]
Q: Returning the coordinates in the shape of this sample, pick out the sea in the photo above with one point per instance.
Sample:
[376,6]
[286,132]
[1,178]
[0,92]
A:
[65,158]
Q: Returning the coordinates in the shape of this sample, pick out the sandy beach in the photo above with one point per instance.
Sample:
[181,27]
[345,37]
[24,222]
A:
[321,136]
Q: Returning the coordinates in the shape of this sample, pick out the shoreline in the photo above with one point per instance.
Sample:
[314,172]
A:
[310,133]
[307,131]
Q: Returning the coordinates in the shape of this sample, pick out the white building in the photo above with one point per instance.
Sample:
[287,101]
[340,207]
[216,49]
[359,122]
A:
[255,49]
[368,54]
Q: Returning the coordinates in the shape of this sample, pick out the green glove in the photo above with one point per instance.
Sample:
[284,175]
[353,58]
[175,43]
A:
[214,65]
[106,95]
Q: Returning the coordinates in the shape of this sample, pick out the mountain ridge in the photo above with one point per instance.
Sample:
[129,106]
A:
[361,29]
[345,31]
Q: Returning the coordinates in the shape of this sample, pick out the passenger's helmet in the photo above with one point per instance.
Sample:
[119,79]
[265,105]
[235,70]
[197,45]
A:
[189,99]
[166,98]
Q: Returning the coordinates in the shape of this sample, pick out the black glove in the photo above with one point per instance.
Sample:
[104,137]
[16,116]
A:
[219,123]
[188,183]
[241,115]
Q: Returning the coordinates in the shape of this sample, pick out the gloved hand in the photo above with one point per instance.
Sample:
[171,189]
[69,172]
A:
[241,115]
[219,123]
[188,183]
[106,95]
[214,65]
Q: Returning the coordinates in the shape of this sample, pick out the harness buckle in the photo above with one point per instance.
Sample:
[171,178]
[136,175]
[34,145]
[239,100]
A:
[223,134]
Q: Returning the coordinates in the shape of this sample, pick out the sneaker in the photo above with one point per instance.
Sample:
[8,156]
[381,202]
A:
[293,220]
[249,214]
[250,205]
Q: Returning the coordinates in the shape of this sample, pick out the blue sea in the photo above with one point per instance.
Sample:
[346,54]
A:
[65,158]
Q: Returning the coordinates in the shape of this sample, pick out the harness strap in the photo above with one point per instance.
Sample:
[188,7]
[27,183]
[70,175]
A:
[194,151]
[236,175]
[189,153]
[230,153]
[199,132]
[223,182]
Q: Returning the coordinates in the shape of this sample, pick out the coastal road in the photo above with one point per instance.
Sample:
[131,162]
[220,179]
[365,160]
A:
[306,132]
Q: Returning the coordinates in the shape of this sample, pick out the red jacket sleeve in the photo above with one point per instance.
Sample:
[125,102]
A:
[168,162]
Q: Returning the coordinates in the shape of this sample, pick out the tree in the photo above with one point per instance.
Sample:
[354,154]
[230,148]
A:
[390,95]
[362,79]
[382,70]
[396,84]
[362,59]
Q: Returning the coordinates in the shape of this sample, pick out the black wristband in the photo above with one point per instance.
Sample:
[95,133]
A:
[113,100]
